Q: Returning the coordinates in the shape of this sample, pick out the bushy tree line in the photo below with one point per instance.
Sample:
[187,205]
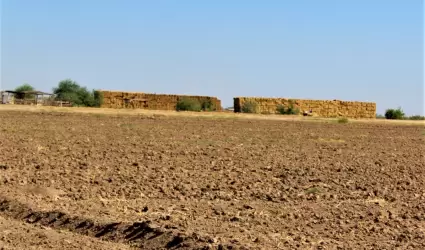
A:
[69,91]
[398,114]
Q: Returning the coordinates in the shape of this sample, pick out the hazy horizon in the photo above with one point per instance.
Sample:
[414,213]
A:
[353,50]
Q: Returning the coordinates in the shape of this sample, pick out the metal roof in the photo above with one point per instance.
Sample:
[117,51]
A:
[27,92]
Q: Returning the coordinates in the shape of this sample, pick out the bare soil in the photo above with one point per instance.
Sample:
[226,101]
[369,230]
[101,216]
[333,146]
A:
[100,181]
[19,235]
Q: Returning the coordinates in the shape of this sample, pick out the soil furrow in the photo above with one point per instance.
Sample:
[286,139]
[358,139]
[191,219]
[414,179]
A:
[143,235]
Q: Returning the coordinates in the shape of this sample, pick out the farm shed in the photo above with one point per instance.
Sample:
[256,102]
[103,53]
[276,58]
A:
[23,97]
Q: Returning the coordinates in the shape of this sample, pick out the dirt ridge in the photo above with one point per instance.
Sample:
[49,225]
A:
[143,235]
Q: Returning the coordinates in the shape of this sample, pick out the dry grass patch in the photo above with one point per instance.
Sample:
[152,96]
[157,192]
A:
[331,140]
[216,115]
[377,201]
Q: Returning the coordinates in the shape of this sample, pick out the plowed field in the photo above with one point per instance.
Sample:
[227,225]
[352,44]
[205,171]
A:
[92,181]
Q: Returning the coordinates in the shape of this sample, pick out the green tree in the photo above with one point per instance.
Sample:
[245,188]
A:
[394,114]
[67,90]
[24,87]
[71,91]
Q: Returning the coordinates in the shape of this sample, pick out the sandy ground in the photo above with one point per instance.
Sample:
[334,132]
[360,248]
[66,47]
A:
[156,181]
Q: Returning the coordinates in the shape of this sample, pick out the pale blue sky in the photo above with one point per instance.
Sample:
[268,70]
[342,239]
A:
[365,50]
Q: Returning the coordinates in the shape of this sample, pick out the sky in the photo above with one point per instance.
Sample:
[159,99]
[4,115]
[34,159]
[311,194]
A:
[354,50]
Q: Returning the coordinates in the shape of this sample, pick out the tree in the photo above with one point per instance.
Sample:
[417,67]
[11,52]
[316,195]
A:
[24,87]
[67,91]
[394,114]
[71,91]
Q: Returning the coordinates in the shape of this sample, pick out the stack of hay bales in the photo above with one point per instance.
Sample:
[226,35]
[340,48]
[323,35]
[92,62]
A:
[323,108]
[112,99]
[138,100]
[169,102]
[267,105]
[161,102]
[134,100]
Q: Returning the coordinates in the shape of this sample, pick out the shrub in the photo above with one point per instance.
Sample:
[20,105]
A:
[379,116]
[281,109]
[417,117]
[188,104]
[394,114]
[208,105]
[249,107]
[291,110]
[343,120]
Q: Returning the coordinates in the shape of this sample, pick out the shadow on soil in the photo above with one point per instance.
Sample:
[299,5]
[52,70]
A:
[141,235]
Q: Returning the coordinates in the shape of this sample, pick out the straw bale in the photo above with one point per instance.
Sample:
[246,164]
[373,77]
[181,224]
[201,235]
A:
[325,108]
[115,99]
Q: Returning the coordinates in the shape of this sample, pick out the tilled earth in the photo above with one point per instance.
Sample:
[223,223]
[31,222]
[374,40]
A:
[84,181]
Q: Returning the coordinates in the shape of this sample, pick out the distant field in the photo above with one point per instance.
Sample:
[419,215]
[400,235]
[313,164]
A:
[222,114]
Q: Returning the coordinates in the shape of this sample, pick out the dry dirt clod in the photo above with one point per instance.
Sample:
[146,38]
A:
[247,207]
